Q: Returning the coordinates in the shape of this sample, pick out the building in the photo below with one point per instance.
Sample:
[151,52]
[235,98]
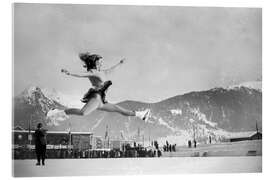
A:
[253,135]
[65,144]
[77,140]
[256,136]
[119,144]
[96,142]
[59,143]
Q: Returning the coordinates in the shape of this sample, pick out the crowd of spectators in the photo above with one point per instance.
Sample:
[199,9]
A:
[169,147]
[125,151]
[190,143]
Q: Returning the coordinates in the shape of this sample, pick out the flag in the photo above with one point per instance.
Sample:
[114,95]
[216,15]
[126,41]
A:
[106,132]
[122,134]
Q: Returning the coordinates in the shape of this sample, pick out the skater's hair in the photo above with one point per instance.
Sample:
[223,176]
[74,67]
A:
[39,125]
[89,60]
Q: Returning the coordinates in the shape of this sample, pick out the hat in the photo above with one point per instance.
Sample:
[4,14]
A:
[39,125]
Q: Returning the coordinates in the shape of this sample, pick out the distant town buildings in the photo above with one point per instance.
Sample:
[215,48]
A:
[68,144]
[248,136]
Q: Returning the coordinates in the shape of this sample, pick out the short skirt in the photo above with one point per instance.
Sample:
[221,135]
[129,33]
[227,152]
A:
[92,92]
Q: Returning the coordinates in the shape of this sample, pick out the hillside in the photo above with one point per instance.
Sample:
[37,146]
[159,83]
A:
[218,112]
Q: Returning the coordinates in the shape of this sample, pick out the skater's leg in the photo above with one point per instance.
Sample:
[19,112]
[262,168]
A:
[55,116]
[115,108]
[73,111]
[144,115]
[92,105]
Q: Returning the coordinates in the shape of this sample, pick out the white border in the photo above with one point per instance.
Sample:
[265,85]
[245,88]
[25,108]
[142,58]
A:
[6,79]
[220,3]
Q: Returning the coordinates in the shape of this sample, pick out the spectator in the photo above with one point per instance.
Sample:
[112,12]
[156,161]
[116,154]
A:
[156,144]
[195,143]
[167,145]
[159,153]
[173,147]
[40,144]
[189,143]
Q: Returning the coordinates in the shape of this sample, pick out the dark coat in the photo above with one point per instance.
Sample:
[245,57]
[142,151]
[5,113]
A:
[40,137]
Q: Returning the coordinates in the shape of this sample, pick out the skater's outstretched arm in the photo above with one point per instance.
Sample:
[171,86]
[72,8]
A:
[80,75]
[111,69]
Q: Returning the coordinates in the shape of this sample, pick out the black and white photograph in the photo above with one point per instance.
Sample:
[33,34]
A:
[135,90]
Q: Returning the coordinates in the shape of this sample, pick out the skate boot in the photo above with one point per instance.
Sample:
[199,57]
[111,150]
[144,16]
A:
[144,115]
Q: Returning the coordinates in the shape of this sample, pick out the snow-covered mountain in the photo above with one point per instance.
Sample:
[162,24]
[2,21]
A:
[218,112]
[250,84]
[64,99]
[32,106]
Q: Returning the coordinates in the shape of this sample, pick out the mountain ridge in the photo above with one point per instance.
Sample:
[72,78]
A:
[218,112]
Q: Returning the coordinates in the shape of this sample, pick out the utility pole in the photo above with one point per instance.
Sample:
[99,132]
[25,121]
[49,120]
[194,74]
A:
[139,134]
[29,130]
[257,127]
[194,141]
[193,133]
[106,137]
[149,136]
[69,133]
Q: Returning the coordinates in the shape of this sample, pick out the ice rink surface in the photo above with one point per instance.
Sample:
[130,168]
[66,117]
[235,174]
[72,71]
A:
[138,166]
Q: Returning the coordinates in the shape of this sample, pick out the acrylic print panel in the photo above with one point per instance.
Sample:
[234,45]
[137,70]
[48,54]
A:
[124,90]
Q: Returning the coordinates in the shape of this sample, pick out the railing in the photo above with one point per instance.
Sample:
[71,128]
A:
[29,153]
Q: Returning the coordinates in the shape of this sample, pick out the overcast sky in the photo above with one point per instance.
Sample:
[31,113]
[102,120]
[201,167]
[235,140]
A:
[169,50]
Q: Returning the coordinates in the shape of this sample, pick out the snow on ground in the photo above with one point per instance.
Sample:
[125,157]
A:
[164,123]
[137,166]
[180,139]
[241,134]
[97,123]
[176,112]
[241,148]
[228,135]
[250,84]
[202,117]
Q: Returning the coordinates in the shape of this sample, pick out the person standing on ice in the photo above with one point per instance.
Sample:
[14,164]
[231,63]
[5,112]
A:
[94,99]
[40,144]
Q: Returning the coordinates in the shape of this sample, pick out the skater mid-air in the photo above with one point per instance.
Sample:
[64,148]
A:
[94,99]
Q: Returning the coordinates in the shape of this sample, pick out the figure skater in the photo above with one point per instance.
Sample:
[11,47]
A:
[94,99]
